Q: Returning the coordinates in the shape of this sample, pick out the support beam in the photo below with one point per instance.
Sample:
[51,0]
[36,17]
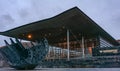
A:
[83,48]
[68,46]
[98,40]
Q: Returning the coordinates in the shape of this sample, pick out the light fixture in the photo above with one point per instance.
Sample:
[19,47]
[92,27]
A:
[63,27]
[45,35]
[29,36]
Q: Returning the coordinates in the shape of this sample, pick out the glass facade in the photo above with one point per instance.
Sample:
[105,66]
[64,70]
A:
[104,43]
[59,50]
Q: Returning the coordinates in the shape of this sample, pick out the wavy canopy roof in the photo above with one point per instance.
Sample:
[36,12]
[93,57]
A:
[54,29]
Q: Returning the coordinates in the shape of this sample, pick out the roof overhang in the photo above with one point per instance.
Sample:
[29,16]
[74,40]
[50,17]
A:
[54,29]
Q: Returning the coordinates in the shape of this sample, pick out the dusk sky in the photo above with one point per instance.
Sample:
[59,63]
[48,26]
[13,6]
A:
[14,13]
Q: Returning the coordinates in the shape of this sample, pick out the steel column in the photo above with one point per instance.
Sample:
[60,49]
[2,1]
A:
[83,47]
[68,46]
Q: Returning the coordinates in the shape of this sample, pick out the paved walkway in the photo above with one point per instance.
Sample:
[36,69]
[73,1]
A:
[65,69]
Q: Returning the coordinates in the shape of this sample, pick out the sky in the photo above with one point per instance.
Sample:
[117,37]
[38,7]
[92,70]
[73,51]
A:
[14,13]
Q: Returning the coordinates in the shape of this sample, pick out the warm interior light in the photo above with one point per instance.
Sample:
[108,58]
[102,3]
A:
[29,36]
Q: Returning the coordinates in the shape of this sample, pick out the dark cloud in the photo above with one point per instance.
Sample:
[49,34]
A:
[5,21]
[23,13]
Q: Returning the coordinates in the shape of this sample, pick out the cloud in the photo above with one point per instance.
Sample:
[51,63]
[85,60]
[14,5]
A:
[5,21]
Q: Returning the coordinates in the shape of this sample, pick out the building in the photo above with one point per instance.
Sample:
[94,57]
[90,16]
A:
[72,32]
[118,41]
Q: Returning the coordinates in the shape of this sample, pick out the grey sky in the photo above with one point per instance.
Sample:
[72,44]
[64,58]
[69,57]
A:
[14,13]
